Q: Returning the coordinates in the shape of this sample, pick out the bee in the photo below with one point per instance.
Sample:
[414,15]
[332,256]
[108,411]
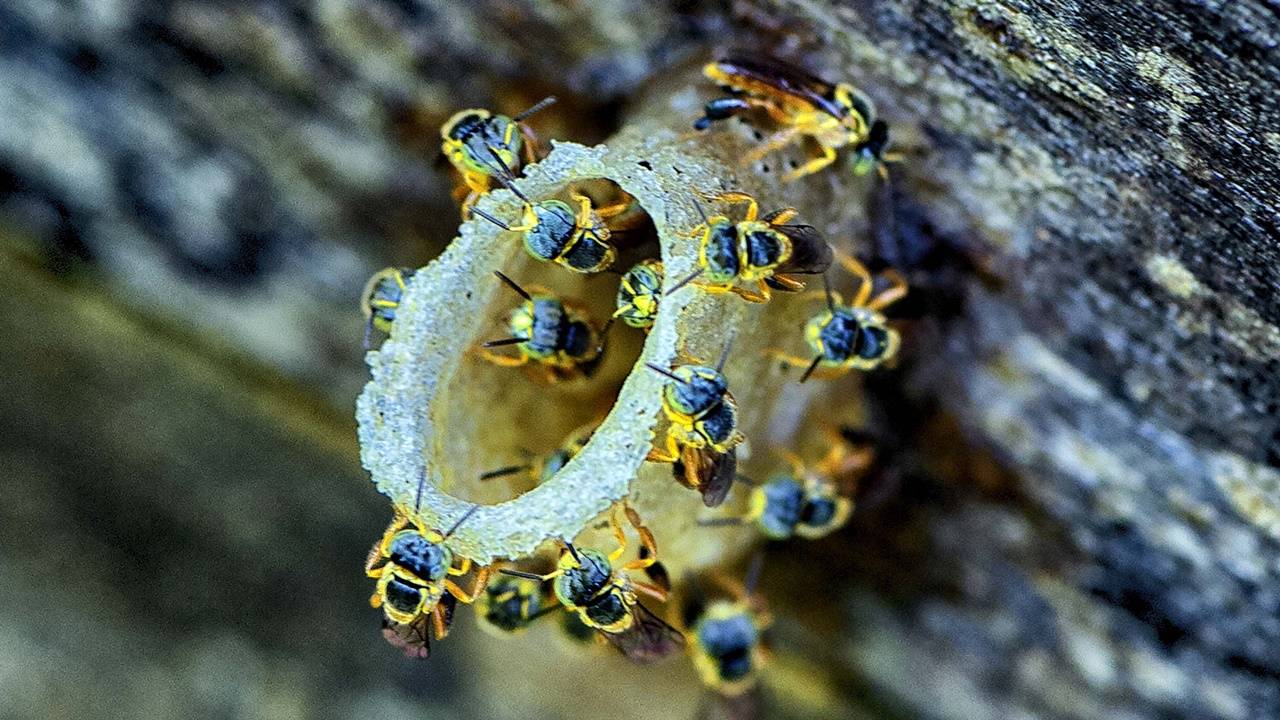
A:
[834,116]
[413,567]
[603,597]
[556,334]
[639,293]
[854,336]
[381,299]
[553,231]
[509,605]
[552,462]
[763,251]
[471,136]
[725,635]
[809,502]
[703,430]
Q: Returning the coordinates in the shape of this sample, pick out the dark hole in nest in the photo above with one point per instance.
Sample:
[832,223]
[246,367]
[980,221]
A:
[521,420]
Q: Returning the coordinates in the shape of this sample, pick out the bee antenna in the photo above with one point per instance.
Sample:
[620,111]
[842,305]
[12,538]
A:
[508,180]
[665,373]
[746,481]
[471,511]
[809,370]
[684,282]
[573,551]
[521,574]
[512,284]
[537,107]
[490,218]
[826,285]
[503,171]
[503,471]
[724,355]
[422,482]
[753,574]
[505,341]
[701,213]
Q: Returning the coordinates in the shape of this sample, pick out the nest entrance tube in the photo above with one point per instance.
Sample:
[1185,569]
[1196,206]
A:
[430,409]
[405,410]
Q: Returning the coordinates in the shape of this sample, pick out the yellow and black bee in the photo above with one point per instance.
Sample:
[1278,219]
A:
[553,231]
[472,137]
[834,116]
[509,605]
[850,337]
[726,634]
[639,293]
[702,433]
[762,251]
[413,568]
[381,299]
[556,334]
[808,502]
[603,597]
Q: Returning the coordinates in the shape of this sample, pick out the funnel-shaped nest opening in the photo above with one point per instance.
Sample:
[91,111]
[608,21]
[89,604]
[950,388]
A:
[435,411]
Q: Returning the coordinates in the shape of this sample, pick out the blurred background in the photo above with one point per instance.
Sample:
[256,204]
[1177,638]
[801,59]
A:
[192,195]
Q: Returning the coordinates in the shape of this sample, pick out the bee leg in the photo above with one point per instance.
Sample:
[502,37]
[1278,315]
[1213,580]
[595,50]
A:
[781,216]
[671,455]
[822,295]
[374,562]
[531,144]
[438,624]
[584,209]
[651,590]
[502,360]
[796,361]
[647,541]
[736,198]
[611,210]
[463,568]
[858,270]
[896,291]
[773,143]
[619,534]
[481,582]
[813,166]
[468,197]
[788,283]
[760,297]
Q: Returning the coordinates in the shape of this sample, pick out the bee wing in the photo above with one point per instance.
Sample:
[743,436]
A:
[810,253]
[725,707]
[709,472]
[448,603]
[649,638]
[718,476]
[783,78]
[411,638]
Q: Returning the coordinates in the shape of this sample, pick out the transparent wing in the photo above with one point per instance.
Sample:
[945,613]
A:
[783,78]
[649,638]
[412,639]
[810,253]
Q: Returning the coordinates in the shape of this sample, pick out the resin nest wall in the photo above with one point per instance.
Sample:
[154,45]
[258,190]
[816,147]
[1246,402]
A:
[434,406]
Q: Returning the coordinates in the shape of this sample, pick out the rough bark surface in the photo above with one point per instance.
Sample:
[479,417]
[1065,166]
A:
[1114,168]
